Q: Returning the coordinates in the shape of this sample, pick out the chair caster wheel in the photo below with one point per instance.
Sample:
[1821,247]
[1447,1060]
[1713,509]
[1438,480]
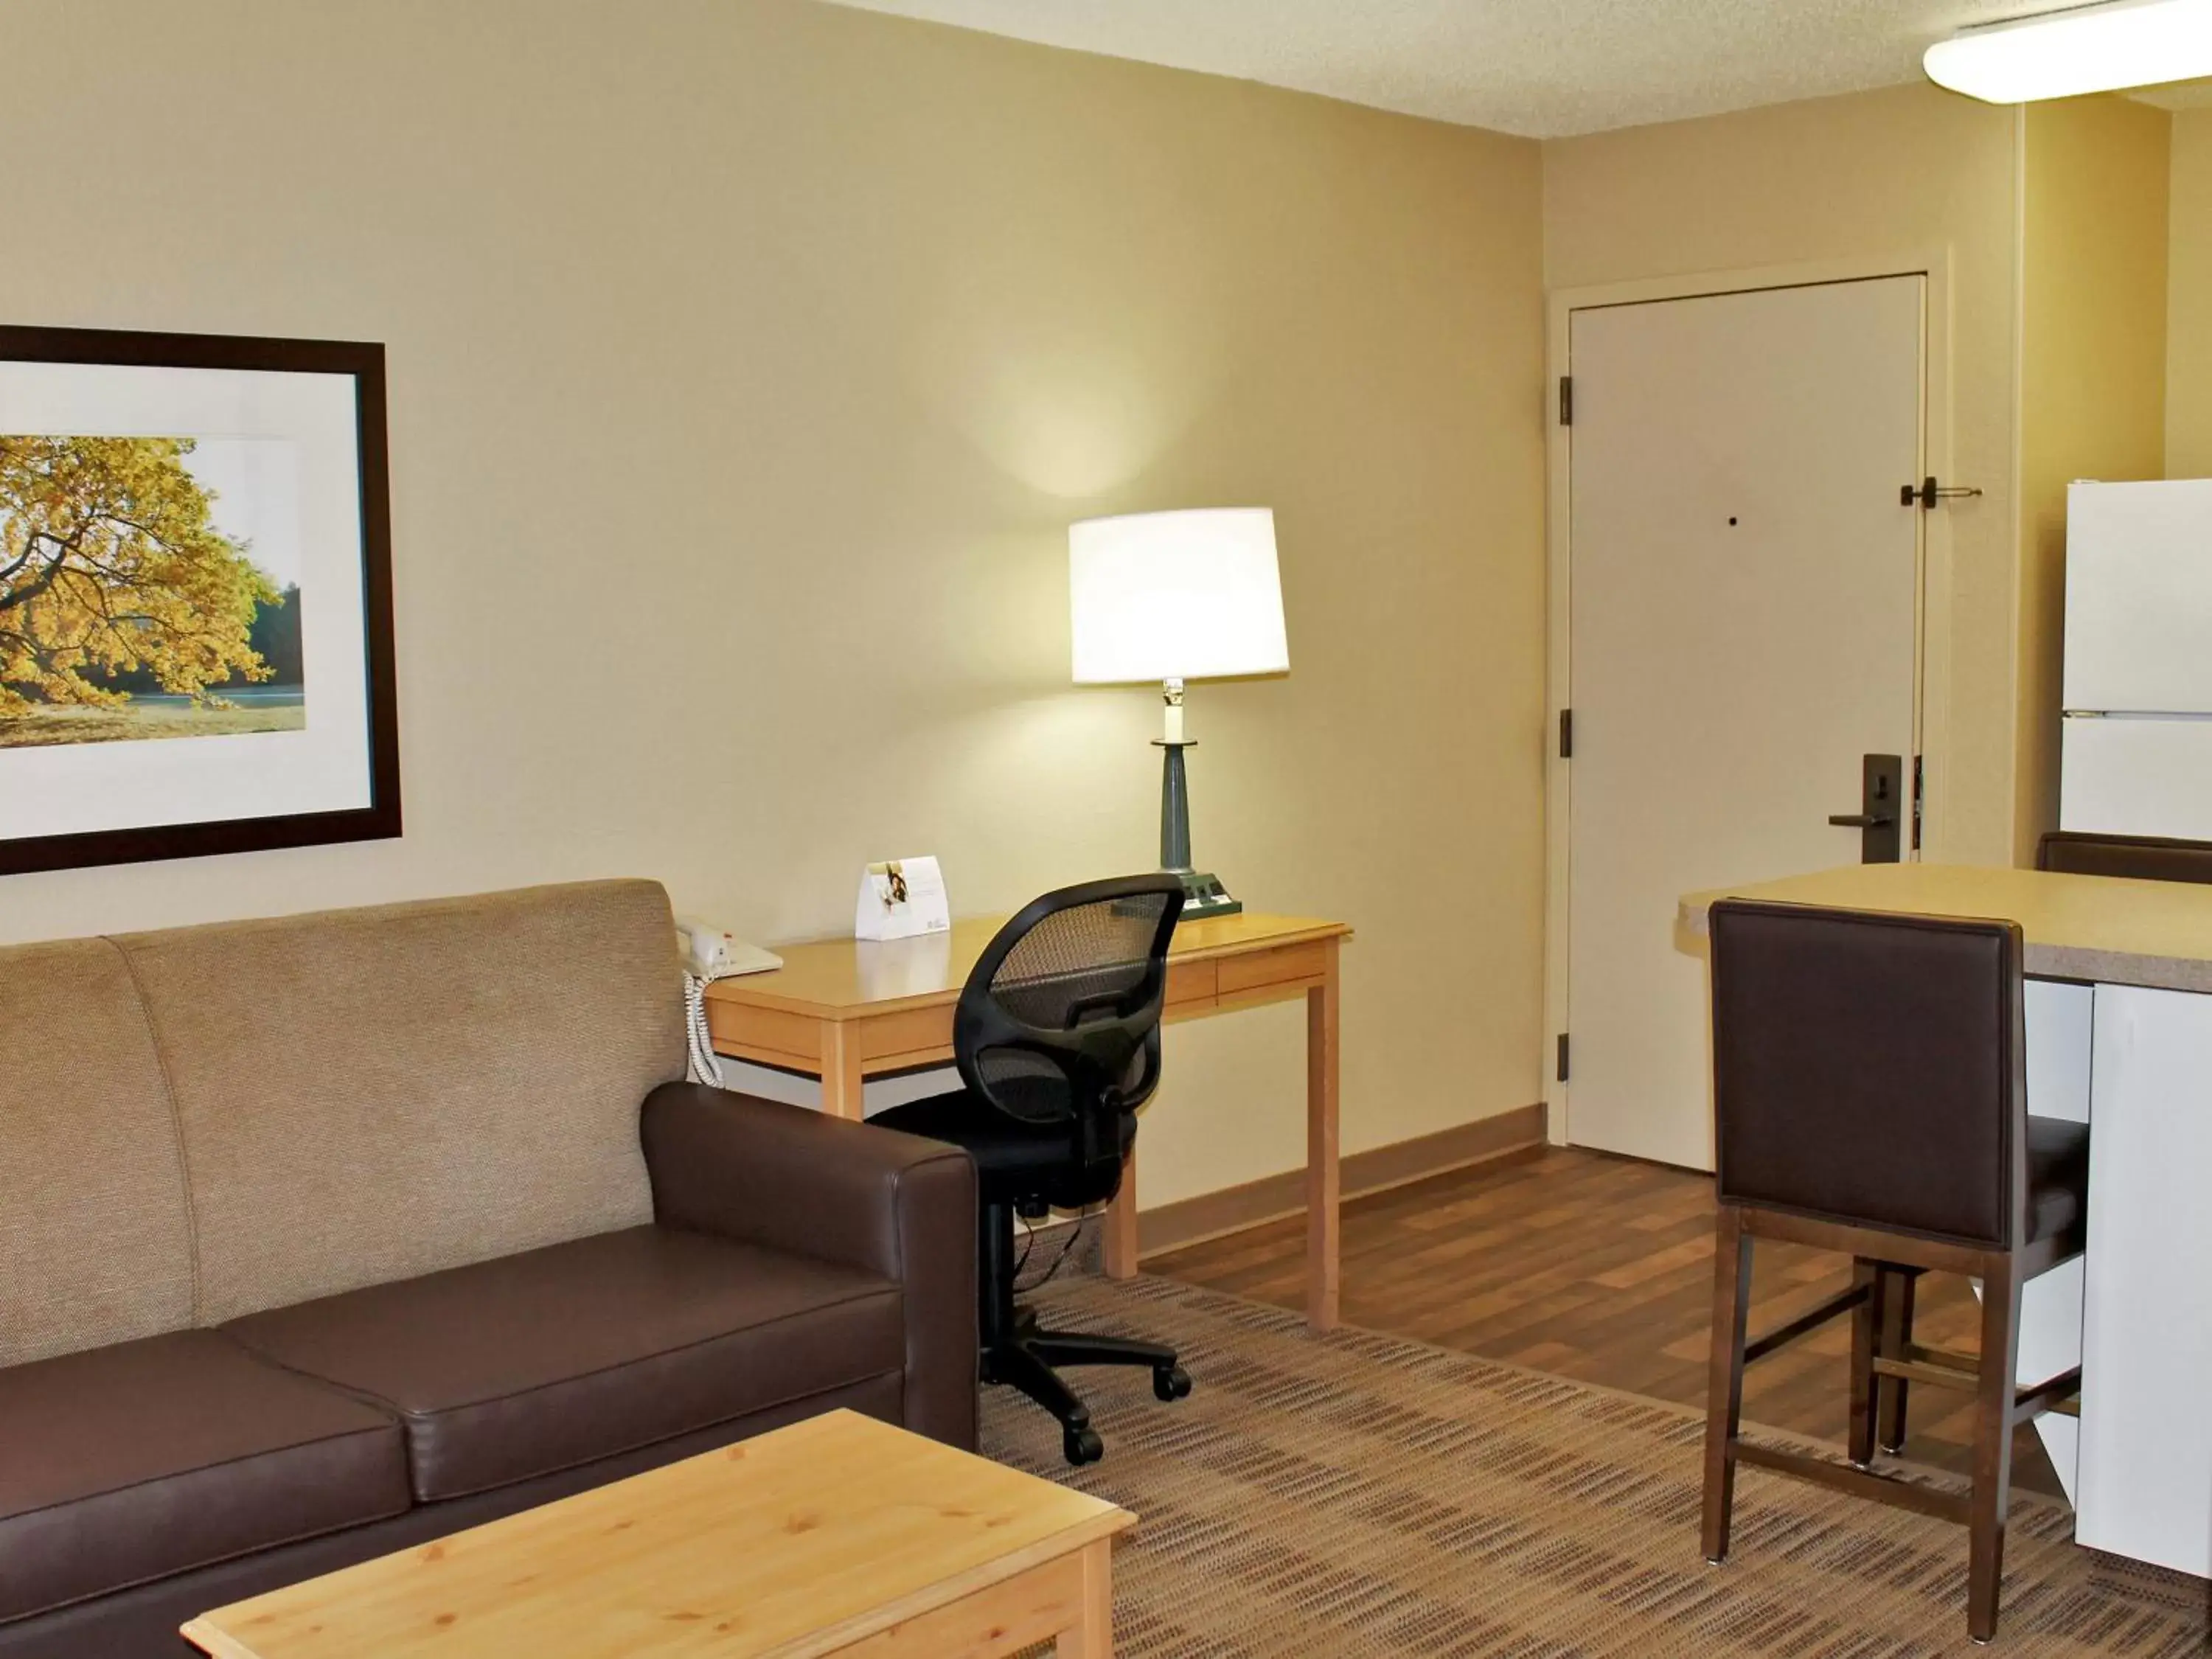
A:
[1170,1383]
[1083,1446]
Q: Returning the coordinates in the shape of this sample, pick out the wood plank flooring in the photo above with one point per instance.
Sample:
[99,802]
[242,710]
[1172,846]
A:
[1599,1268]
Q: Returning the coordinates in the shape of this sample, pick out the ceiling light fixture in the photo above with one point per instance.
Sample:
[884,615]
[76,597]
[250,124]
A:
[2063,54]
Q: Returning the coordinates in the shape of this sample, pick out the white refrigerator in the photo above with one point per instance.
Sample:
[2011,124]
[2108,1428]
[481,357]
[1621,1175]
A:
[2136,755]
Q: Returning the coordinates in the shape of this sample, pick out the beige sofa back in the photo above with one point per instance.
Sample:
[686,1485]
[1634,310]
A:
[95,1235]
[203,1122]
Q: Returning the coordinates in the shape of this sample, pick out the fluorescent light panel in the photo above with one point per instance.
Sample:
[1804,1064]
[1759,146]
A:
[2064,54]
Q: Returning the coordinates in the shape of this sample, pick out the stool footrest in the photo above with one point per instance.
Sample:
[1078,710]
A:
[1842,1302]
[1966,1365]
[1929,1371]
[2056,1395]
[1882,1488]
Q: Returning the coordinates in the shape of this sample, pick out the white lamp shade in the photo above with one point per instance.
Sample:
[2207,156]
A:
[1176,596]
[2064,54]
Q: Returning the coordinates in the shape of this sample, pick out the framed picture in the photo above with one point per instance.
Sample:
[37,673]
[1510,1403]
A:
[195,597]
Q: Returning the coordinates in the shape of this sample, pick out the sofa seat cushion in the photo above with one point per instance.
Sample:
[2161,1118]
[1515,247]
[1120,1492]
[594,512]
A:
[128,1463]
[539,1362]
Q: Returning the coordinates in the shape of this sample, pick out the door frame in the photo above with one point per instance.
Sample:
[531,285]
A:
[1931,606]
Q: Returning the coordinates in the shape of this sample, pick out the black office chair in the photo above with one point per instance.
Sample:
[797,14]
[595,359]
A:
[1057,1036]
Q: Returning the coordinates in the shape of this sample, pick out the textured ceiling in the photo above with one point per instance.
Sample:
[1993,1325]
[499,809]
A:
[1541,68]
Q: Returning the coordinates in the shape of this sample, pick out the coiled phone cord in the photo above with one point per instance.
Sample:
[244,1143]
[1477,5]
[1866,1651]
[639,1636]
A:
[706,1064]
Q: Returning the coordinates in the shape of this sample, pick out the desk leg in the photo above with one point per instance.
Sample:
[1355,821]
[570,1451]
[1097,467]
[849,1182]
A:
[841,1068]
[1322,1278]
[1092,1636]
[1118,1239]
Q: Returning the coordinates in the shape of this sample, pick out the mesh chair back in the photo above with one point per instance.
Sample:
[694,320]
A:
[1060,1020]
[1871,1068]
[2145,858]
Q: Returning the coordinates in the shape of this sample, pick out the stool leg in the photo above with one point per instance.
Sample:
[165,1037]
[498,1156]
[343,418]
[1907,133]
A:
[1895,1336]
[1872,1278]
[1992,1496]
[1724,1380]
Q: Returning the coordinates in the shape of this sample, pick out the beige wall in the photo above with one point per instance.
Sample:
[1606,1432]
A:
[1896,175]
[2093,373]
[748,360]
[2189,302]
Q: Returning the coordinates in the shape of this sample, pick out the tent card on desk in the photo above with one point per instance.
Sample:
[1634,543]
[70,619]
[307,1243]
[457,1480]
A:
[903,899]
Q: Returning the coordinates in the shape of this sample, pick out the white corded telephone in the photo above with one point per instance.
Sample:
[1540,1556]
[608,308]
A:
[711,954]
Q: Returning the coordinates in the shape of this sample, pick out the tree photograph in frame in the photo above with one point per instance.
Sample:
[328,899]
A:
[196,652]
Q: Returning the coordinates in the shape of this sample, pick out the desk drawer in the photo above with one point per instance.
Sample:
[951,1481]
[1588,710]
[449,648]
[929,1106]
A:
[1286,963]
[913,1032]
[1191,981]
[769,1034]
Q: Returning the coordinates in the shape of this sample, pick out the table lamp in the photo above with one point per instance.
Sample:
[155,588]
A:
[1172,597]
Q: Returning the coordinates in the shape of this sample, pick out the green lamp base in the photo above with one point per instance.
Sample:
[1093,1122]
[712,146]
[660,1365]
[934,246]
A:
[1203,896]
[1202,892]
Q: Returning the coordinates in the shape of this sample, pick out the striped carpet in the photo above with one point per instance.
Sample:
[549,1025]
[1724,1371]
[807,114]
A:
[1359,1494]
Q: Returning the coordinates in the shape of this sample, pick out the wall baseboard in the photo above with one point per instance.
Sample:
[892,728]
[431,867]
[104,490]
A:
[1209,1215]
[1274,1198]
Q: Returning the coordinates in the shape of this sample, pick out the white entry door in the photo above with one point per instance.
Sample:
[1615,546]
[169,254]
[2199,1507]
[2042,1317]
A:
[1742,602]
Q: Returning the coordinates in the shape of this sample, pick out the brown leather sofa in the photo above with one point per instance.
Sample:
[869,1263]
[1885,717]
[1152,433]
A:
[326,1235]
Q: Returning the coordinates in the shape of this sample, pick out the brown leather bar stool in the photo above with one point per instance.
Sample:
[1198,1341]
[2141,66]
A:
[2144,858]
[1869,1081]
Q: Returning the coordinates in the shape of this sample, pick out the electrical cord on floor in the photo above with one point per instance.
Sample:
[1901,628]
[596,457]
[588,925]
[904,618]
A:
[1028,1239]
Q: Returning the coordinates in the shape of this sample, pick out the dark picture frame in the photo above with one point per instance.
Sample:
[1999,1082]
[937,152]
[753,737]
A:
[362,363]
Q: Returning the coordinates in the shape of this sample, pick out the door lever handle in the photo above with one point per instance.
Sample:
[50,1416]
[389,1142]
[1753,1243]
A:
[1882,789]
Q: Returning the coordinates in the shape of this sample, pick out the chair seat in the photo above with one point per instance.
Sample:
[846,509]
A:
[130,1463]
[2058,1176]
[555,1358]
[1014,1159]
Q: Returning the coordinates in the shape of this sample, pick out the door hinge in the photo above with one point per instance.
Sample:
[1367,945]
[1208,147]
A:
[1928,492]
[1918,777]
[1563,1057]
[1567,400]
[1566,734]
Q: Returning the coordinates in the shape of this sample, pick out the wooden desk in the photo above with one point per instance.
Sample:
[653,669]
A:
[839,1535]
[843,1010]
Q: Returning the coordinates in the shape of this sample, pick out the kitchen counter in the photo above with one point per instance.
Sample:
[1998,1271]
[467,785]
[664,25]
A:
[2095,929]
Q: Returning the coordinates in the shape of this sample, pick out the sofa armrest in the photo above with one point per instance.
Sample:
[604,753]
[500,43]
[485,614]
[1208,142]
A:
[872,1199]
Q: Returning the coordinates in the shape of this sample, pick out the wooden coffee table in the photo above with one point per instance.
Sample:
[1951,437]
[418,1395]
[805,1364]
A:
[840,1535]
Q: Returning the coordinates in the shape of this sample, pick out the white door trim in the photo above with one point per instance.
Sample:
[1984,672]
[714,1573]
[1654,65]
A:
[1933,701]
